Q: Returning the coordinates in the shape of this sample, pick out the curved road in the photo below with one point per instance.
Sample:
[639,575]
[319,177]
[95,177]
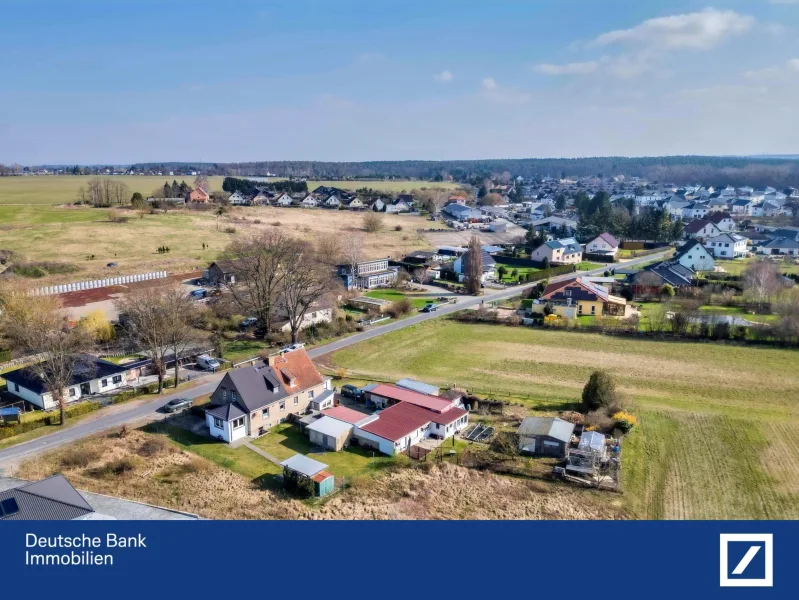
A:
[117,418]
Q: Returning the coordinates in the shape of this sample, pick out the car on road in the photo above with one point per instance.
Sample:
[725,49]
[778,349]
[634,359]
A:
[350,391]
[297,346]
[177,404]
[248,322]
[429,308]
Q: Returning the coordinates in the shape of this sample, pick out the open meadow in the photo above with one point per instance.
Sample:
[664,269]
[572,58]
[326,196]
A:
[718,435]
[73,234]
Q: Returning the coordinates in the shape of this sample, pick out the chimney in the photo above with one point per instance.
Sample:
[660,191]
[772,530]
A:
[272,358]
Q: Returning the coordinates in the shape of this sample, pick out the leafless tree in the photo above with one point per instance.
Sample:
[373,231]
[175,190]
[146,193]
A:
[306,281]
[762,280]
[329,250]
[148,321]
[260,269]
[373,222]
[474,266]
[353,254]
[182,319]
[201,181]
[35,325]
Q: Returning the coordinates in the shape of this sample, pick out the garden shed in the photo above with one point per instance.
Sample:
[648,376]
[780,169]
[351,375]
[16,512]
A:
[307,474]
[545,436]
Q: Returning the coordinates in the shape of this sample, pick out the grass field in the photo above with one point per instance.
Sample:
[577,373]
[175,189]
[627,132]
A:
[395,296]
[51,233]
[789,266]
[62,189]
[718,436]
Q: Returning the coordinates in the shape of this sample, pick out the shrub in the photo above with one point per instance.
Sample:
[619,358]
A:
[373,222]
[114,468]
[276,224]
[79,457]
[341,373]
[397,227]
[599,392]
[230,230]
[625,421]
[151,447]
[598,420]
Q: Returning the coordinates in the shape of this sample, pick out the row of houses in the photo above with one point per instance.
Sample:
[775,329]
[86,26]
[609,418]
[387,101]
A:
[324,197]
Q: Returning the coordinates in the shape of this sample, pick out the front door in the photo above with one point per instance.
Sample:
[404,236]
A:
[85,389]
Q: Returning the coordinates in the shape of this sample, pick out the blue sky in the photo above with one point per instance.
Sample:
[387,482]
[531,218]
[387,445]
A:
[113,82]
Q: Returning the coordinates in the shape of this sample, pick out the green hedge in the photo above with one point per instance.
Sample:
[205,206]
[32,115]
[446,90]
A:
[37,420]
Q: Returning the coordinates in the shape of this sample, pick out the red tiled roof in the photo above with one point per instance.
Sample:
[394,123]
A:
[453,414]
[321,476]
[297,365]
[342,413]
[433,403]
[397,421]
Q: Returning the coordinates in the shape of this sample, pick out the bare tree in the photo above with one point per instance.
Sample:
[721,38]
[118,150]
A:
[306,281]
[260,268]
[182,317]
[353,254]
[329,250]
[35,325]
[148,321]
[373,222]
[762,280]
[473,269]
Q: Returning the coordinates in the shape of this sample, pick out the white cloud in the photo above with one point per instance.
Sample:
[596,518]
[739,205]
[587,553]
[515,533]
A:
[502,95]
[575,68]
[489,83]
[444,77]
[698,30]
[790,67]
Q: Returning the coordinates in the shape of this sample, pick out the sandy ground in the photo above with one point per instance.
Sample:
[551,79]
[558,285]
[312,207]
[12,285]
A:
[461,238]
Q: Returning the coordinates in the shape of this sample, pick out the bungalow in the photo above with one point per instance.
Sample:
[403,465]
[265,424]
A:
[404,424]
[590,298]
[604,244]
[651,279]
[488,262]
[548,436]
[368,274]
[727,245]
[784,245]
[91,376]
[459,212]
[701,230]
[250,400]
[695,256]
[565,251]
[200,196]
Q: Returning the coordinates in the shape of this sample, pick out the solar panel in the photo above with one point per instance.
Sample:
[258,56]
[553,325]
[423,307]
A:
[8,507]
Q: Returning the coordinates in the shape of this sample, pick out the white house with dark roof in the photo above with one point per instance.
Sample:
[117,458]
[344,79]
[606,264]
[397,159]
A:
[783,245]
[604,243]
[727,245]
[695,256]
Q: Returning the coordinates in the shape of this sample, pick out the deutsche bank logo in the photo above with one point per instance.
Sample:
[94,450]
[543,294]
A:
[747,559]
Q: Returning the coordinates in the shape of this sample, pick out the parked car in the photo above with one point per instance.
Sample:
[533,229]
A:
[429,308]
[208,363]
[248,322]
[177,404]
[198,294]
[350,391]
[112,264]
[297,346]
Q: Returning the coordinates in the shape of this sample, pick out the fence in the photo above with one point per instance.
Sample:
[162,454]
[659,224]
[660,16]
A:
[97,283]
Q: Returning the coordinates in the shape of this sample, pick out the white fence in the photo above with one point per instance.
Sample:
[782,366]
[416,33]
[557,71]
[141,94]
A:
[97,283]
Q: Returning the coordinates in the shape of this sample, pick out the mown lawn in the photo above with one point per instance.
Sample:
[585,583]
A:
[238,350]
[521,272]
[396,296]
[785,266]
[719,436]
[286,440]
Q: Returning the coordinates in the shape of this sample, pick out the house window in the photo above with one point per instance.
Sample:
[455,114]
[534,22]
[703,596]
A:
[283,405]
[71,392]
[117,379]
[103,383]
[233,396]
[224,394]
[296,400]
[568,293]
[310,393]
[217,422]
[16,387]
[265,413]
[593,309]
[580,309]
[238,423]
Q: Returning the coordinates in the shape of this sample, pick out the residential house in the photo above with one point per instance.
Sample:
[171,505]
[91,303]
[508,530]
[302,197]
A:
[250,400]
[262,198]
[90,376]
[783,245]
[377,205]
[332,201]
[545,436]
[284,200]
[696,210]
[695,256]
[590,298]
[727,245]
[369,274]
[722,220]
[222,272]
[199,196]
[604,244]
[319,312]
[401,206]
[650,280]
[309,201]
[488,264]
[238,199]
[742,206]
[459,212]
[565,251]
[353,203]
[700,229]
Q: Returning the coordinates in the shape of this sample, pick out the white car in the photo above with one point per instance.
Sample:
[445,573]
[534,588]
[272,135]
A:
[297,346]
[207,362]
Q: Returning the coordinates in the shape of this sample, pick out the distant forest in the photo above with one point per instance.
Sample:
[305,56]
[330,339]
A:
[708,170]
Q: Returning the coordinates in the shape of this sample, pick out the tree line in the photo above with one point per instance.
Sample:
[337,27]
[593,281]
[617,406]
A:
[249,187]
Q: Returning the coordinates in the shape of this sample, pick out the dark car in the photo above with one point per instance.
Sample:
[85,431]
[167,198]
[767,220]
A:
[350,391]
[177,404]
[112,264]
[429,308]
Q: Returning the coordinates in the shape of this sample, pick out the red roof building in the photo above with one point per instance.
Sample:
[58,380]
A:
[347,415]
[388,395]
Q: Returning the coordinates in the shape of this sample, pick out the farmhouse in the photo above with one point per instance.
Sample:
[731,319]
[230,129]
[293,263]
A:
[250,400]
[565,251]
[546,436]
[91,376]
[695,256]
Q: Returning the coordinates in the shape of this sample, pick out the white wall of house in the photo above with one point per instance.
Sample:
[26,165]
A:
[218,427]
[698,258]
[72,394]
[385,446]
[600,245]
[324,315]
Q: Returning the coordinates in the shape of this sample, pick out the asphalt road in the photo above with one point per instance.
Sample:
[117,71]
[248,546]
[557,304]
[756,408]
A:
[115,418]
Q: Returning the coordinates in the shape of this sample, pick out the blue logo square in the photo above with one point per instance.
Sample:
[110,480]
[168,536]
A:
[739,551]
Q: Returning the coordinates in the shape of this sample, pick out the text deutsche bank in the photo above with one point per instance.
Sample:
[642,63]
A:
[80,550]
